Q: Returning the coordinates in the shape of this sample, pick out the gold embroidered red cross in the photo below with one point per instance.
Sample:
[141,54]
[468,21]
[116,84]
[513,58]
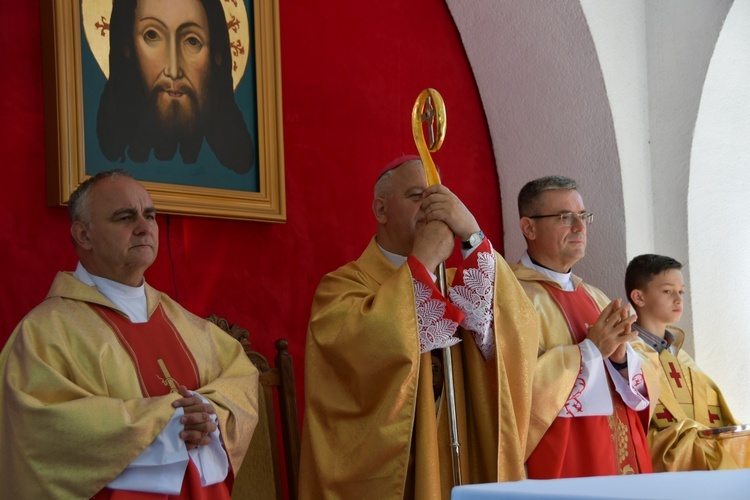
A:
[675,375]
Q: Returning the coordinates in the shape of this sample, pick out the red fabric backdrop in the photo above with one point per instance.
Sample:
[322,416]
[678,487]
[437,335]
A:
[351,73]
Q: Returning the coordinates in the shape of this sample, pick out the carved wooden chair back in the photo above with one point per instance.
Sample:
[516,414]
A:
[262,475]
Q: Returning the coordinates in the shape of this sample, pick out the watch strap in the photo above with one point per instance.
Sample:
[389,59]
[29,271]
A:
[474,240]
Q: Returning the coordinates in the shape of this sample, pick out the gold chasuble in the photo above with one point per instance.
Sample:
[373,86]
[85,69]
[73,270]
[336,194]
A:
[371,428]
[563,441]
[689,403]
[78,410]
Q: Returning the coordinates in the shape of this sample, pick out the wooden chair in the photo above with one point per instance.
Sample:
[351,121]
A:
[261,473]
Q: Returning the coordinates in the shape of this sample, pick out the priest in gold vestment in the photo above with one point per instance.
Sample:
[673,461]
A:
[686,427]
[376,422]
[110,389]
[594,383]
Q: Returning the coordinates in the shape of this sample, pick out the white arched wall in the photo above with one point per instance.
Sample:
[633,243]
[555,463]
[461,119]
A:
[681,39]
[718,204]
[607,93]
[619,33]
[547,109]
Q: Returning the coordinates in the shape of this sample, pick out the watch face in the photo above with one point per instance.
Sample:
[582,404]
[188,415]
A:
[474,240]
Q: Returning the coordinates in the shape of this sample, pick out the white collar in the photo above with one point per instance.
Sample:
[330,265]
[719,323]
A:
[565,280]
[394,258]
[129,299]
[398,260]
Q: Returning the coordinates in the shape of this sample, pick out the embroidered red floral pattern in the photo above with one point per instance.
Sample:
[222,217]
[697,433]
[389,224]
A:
[473,293]
[435,330]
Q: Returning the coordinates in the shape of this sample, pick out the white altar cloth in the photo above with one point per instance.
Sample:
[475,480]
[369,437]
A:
[699,485]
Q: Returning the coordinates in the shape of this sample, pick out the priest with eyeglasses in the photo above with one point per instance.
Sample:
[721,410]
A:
[594,383]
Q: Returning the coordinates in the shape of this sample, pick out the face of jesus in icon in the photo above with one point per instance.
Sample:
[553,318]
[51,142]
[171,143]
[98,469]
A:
[171,85]
[173,48]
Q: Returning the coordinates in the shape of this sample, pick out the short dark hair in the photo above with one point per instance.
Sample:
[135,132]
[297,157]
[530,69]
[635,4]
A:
[124,123]
[528,197]
[644,268]
[78,205]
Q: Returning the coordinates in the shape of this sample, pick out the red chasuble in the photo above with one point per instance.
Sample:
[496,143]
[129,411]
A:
[593,445]
[163,363]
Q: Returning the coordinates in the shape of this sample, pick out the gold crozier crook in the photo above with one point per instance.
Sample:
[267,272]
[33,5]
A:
[430,109]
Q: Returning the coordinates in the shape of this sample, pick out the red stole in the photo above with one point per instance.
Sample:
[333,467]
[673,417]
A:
[162,363]
[594,445]
[159,353]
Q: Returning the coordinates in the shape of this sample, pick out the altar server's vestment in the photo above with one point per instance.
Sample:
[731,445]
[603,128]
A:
[690,402]
[373,427]
[586,419]
[83,397]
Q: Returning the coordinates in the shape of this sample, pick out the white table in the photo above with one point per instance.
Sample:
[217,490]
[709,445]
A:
[702,485]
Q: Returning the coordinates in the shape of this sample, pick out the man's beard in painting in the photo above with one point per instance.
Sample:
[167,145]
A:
[168,124]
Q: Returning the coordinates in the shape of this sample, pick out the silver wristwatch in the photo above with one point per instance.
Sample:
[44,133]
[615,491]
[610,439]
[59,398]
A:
[474,240]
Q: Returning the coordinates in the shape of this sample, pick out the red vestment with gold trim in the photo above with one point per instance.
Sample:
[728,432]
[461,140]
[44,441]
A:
[163,363]
[590,445]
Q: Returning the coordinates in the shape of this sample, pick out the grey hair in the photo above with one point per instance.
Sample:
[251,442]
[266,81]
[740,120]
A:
[78,205]
[384,183]
[528,197]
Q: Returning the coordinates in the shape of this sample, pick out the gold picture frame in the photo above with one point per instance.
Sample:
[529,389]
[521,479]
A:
[65,121]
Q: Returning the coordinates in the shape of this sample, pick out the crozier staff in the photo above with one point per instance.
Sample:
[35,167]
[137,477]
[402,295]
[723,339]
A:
[429,108]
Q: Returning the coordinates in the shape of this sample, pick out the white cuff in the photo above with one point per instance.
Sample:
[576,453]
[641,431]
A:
[211,460]
[633,389]
[590,395]
[160,468]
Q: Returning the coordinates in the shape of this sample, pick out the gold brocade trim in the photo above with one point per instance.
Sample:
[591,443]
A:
[699,401]
[715,417]
[125,345]
[663,418]
[566,318]
[678,380]
[619,438]
[183,345]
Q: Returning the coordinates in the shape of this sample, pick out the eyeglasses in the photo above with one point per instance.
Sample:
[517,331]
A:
[586,218]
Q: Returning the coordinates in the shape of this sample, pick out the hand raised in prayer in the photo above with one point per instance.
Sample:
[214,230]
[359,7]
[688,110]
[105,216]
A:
[197,419]
[433,244]
[439,203]
[612,331]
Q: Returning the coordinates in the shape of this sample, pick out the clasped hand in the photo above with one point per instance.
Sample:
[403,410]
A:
[197,419]
[612,331]
[446,218]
